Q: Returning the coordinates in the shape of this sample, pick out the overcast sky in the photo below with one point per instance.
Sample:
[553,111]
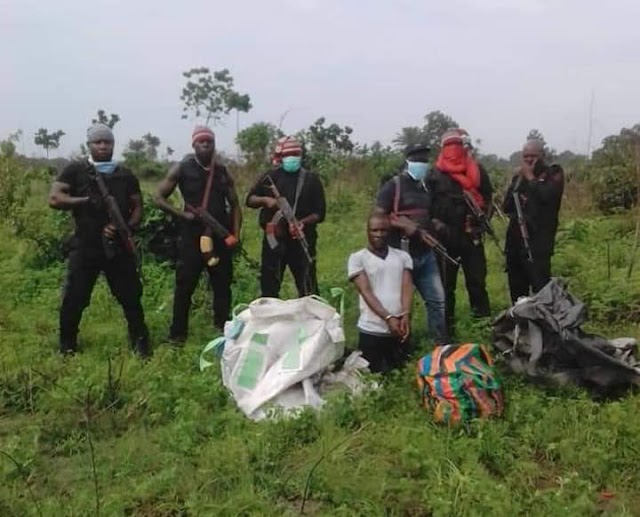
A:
[499,67]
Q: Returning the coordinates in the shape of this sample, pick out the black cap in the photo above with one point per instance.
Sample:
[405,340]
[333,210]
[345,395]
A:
[416,148]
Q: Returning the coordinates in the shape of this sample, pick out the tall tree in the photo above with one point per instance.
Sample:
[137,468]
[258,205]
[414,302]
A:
[614,170]
[142,149]
[618,150]
[8,146]
[135,153]
[328,139]
[534,134]
[436,124]
[48,140]
[102,118]
[408,136]
[239,103]
[152,143]
[256,140]
[211,95]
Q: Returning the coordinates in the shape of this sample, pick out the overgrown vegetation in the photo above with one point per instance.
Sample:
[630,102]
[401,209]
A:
[103,433]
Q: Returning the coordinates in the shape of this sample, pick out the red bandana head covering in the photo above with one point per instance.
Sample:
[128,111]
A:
[456,161]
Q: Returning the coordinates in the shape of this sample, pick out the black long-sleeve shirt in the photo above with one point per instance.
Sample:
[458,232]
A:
[311,199]
[449,205]
[540,200]
[90,219]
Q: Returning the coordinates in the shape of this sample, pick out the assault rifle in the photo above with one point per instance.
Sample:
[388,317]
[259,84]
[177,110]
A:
[213,227]
[285,210]
[427,238]
[481,218]
[437,246]
[216,227]
[522,223]
[122,228]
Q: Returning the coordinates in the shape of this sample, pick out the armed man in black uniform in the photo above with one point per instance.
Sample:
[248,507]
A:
[105,200]
[292,203]
[210,224]
[532,203]
[458,183]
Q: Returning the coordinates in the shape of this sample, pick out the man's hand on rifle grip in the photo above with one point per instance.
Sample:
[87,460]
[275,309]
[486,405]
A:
[109,231]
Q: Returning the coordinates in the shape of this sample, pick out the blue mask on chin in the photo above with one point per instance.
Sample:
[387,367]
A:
[418,170]
[105,167]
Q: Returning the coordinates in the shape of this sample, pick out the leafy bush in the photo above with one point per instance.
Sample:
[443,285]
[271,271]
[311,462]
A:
[614,189]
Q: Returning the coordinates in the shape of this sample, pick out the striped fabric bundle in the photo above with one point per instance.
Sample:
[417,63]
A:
[458,383]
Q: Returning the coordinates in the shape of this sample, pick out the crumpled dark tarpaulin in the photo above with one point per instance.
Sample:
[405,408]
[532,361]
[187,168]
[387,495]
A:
[540,336]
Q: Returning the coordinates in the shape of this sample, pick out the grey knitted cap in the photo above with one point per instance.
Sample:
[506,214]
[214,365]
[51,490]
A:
[99,132]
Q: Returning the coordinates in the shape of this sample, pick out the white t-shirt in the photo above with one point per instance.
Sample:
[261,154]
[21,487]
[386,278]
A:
[385,277]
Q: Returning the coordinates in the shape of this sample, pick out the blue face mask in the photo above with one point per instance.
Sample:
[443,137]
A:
[418,170]
[291,163]
[105,167]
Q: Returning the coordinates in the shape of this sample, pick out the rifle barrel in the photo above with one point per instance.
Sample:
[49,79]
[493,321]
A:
[522,224]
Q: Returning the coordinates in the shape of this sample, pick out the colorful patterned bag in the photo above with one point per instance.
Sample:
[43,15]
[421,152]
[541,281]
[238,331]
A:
[458,383]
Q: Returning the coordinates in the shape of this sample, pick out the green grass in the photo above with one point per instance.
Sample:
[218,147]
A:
[167,439]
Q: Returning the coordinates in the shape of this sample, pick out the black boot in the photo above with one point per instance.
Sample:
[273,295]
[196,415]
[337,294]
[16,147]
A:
[141,345]
[68,345]
[177,341]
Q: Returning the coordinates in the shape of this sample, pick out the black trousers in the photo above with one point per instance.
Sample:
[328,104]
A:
[524,276]
[474,266]
[288,253]
[384,353]
[189,267]
[124,282]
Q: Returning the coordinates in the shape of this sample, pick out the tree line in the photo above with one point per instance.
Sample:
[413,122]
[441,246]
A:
[211,96]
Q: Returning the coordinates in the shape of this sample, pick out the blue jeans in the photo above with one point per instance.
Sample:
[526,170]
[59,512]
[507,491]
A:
[426,278]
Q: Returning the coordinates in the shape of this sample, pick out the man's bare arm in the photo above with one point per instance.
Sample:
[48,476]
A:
[60,199]
[310,219]
[165,189]
[407,291]
[136,213]
[236,212]
[364,288]
[407,300]
[254,201]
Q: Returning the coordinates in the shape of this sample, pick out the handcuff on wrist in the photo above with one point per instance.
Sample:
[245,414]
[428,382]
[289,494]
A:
[389,316]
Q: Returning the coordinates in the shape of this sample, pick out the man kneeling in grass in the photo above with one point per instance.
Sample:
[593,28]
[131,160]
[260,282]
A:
[382,276]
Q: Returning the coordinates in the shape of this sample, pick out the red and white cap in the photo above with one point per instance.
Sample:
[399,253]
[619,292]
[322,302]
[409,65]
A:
[202,133]
[288,146]
[452,136]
